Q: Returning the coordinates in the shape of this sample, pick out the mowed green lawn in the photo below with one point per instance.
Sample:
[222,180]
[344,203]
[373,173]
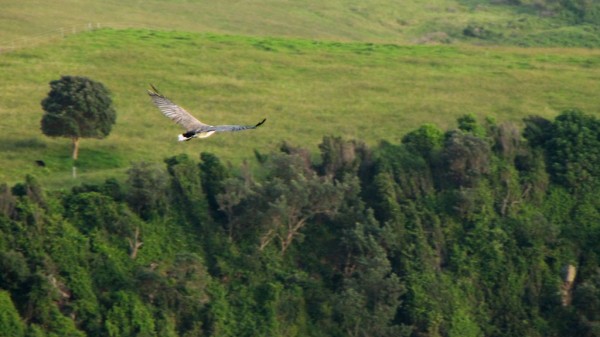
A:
[306,89]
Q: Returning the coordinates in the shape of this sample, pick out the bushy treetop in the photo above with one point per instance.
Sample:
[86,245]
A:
[77,107]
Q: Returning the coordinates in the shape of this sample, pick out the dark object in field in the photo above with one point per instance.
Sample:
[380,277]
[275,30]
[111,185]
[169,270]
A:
[40,163]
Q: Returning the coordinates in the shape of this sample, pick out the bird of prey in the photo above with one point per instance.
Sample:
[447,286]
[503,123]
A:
[193,127]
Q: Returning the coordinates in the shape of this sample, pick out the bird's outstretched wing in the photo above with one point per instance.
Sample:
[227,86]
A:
[223,128]
[174,112]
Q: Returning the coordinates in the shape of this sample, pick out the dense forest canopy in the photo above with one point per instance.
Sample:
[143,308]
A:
[489,229]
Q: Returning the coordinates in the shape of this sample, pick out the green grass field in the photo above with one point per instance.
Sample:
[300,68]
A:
[305,88]
[312,68]
[26,22]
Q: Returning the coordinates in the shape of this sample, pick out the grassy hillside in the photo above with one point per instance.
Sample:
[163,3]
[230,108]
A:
[27,22]
[305,88]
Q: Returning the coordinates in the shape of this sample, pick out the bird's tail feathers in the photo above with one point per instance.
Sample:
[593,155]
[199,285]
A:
[183,138]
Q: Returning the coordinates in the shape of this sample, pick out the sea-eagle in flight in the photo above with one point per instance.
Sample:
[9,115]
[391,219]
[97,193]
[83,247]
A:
[193,127]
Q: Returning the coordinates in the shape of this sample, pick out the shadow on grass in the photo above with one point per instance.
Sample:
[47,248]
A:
[102,158]
[56,157]
[10,144]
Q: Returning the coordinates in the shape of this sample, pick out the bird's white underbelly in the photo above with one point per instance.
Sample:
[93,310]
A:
[205,134]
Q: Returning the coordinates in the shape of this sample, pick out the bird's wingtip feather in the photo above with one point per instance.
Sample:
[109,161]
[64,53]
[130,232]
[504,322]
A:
[154,91]
[260,123]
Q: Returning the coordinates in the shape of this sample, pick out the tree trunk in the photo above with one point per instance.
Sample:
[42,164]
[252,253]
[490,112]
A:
[566,289]
[135,244]
[75,147]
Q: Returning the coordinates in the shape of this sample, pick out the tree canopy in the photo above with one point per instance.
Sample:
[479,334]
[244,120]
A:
[482,230]
[77,107]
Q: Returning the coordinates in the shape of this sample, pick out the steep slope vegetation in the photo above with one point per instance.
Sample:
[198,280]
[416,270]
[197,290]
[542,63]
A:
[476,231]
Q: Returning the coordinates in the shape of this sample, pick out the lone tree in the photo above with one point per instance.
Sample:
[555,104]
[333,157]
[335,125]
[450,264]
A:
[77,107]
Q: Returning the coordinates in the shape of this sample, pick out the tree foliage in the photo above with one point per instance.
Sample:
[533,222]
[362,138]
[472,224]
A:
[77,107]
[11,324]
[459,233]
[573,149]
